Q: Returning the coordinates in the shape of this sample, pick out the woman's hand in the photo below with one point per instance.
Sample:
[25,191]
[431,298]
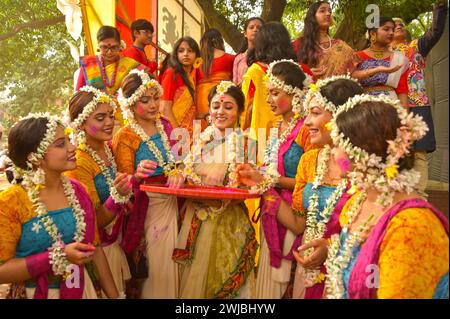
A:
[79,253]
[145,168]
[248,175]
[176,180]
[122,184]
[316,258]
[389,69]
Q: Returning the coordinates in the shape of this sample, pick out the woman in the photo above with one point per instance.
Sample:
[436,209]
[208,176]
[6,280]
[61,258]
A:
[47,221]
[216,245]
[240,66]
[418,102]
[179,82]
[142,148]
[217,66]
[92,118]
[325,56]
[318,184]
[281,229]
[378,69]
[107,70]
[271,43]
[393,243]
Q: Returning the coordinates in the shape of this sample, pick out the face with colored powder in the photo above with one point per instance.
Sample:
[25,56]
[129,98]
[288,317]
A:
[60,155]
[224,111]
[315,121]
[280,102]
[343,161]
[100,124]
[148,106]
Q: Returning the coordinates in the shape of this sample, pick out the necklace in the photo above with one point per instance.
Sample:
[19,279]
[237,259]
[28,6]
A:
[106,173]
[108,84]
[377,54]
[329,44]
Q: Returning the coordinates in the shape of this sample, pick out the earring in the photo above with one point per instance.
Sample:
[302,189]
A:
[39,177]
[373,39]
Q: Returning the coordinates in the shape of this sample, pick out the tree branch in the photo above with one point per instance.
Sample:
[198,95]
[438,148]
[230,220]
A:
[216,20]
[31,25]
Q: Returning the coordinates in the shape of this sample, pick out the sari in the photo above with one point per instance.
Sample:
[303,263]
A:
[390,84]
[152,227]
[306,172]
[216,251]
[337,60]
[89,174]
[409,231]
[277,242]
[175,90]
[21,237]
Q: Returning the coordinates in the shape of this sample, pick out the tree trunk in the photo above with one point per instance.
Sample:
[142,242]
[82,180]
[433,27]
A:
[33,25]
[273,10]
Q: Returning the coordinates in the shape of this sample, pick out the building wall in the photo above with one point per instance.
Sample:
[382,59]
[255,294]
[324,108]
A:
[437,77]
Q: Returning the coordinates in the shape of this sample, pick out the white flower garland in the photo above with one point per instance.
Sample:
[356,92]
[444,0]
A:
[314,92]
[99,97]
[339,257]
[271,175]
[369,169]
[297,100]
[315,229]
[119,199]
[197,148]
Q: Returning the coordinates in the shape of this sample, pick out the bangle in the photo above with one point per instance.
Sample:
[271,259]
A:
[299,213]
[122,295]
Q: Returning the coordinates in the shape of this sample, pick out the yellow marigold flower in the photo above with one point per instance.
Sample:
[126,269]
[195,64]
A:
[202,214]
[352,190]
[82,146]
[320,278]
[68,131]
[391,171]
[197,63]
[313,87]
[296,116]
[104,99]
[328,126]
[38,187]
[150,84]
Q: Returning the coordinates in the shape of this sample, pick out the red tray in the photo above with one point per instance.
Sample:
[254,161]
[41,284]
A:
[202,192]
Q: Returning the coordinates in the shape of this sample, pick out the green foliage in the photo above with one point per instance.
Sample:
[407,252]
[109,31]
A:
[238,11]
[35,64]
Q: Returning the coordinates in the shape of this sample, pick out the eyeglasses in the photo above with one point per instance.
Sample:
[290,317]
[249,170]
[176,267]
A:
[112,48]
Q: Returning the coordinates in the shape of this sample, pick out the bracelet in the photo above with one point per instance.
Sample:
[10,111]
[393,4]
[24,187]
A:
[122,295]
[299,213]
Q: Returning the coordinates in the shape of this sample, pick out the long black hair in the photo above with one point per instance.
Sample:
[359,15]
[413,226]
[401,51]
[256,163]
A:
[175,63]
[271,43]
[311,36]
[244,45]
[211,39]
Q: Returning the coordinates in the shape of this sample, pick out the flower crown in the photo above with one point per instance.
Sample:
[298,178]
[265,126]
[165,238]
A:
[147,83]
[314,91]
[370,170]
[224,86]
[297,105]
[99,97]
[49,136]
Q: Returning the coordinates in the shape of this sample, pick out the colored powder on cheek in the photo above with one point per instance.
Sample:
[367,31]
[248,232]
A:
[93,130]
[140,110]
[344,164]
[284,105]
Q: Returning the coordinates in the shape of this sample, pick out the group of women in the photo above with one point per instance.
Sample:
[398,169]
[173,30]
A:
[340,213]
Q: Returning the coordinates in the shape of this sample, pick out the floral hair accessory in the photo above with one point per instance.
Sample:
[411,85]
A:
[99,97]
[314,92]
[370,170]
[297,101]
[224,86]
[147,83]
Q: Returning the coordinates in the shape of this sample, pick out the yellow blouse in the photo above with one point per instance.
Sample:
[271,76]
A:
[125,144]
[306,172]
[85,173]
